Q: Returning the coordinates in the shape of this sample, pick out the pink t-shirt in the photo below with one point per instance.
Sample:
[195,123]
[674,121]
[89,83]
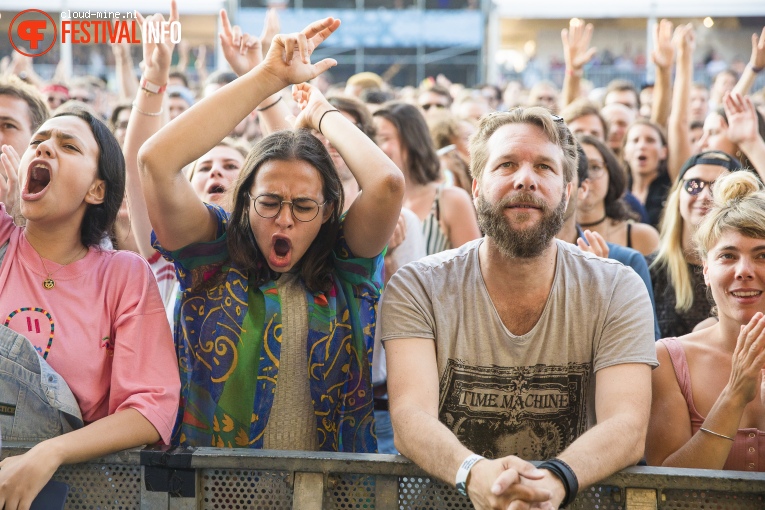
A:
[102,327]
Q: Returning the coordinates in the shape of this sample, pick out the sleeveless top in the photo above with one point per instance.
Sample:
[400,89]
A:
[748,450]
[436,240]
[629,235]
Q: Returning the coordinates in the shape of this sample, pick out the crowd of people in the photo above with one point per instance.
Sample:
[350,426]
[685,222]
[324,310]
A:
[456,274]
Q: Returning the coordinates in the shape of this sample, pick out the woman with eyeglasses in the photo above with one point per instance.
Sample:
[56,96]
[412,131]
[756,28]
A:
[678,285]
[278,307]
[707,409]
[604,210]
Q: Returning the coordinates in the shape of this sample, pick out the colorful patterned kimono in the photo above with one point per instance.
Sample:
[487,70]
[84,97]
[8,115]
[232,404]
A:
[228,341]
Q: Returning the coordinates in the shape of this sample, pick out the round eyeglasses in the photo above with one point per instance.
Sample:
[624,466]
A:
[303,209]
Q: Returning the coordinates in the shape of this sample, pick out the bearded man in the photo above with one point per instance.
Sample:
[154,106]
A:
[518,346]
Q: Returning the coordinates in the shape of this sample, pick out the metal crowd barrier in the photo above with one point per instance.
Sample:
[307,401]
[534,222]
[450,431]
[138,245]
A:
[212,478]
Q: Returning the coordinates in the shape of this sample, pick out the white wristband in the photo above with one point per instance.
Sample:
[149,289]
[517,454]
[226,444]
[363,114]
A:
[464,471]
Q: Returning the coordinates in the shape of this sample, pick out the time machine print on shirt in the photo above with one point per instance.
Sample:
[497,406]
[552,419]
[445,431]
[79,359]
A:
[534,412]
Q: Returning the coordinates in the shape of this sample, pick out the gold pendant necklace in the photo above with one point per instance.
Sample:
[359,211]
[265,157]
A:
[48,283]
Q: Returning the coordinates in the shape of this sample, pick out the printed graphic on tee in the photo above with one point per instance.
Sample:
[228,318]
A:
[533,412]
[36,324]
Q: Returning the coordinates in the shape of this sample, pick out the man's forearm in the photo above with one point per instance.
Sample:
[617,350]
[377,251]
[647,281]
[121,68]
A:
[428,443]
[606,448]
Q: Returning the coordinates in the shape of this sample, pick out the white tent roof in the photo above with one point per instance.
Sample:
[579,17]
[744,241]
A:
[593,9]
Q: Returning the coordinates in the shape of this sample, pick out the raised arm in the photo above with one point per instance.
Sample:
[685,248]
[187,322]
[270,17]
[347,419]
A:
[127,85]
[243,52]
[743,129]
[200,63]
[679,133]
[670,442]
[372,217]
[662,56]
[146,118]
[754,67]
[178,216]
[576,52]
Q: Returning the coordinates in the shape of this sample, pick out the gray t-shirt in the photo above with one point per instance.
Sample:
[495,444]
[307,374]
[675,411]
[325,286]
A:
[529,395]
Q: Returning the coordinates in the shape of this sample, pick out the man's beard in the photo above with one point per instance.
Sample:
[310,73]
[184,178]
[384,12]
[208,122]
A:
[525,242]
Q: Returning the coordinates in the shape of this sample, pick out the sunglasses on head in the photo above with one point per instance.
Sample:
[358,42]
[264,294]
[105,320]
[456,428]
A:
[695,186]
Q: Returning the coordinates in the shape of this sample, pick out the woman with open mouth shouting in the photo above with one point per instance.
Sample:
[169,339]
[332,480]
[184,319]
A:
[708,410]
[93,314]
[645,156]
[279,297]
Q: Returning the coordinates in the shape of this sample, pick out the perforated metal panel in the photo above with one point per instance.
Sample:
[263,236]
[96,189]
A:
[101,486]
[601,497]
[710,500]
[349,491]
[418,493]
[236,489]
[421,493]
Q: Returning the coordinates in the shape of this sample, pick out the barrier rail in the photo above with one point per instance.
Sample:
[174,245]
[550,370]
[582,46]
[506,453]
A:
[212,478]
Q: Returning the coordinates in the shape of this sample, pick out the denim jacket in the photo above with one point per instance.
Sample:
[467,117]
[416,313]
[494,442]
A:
[35,401]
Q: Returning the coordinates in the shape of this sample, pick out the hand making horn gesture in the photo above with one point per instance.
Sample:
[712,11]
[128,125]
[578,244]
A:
[289,58]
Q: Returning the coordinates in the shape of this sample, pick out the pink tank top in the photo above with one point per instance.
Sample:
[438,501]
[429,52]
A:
[748,451]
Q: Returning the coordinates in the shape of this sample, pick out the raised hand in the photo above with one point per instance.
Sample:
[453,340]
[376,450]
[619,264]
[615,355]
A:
[270,29]
[597,244]
[120,50]
[742,118]
[748,360]
[289,58]
[663,53]
[242,51]
[757,60]
[184,50]
[313,105]
[576,44]
[200,62]
[10,192]
[684,39]
[157,56]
